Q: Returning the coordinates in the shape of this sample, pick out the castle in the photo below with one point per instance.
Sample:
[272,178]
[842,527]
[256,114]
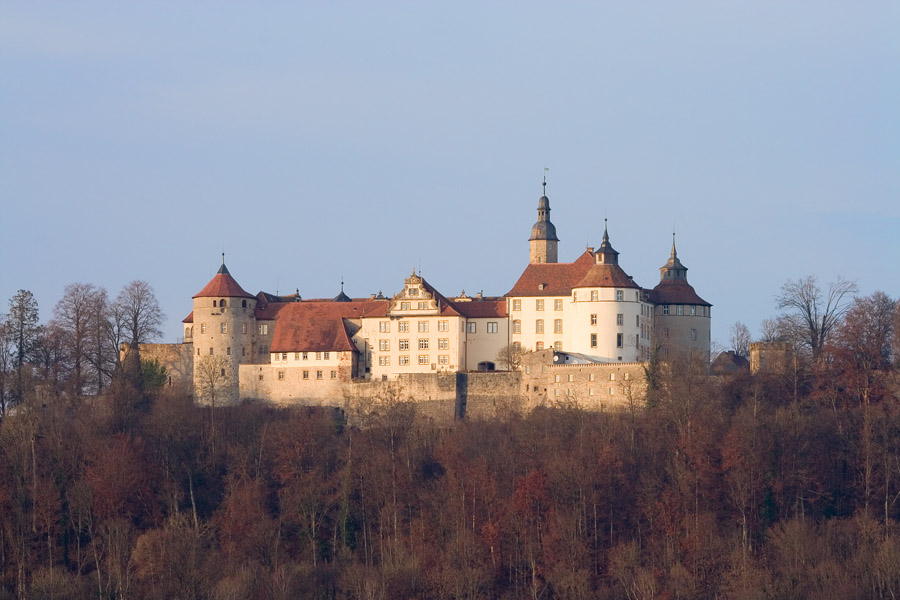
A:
[588,315]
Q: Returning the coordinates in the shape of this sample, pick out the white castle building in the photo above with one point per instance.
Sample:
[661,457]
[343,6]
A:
[288,349]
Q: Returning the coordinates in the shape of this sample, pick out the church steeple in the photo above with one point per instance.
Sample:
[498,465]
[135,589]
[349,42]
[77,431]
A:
[543,242]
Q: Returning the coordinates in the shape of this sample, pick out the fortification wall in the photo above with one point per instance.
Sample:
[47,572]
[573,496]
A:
[178,359]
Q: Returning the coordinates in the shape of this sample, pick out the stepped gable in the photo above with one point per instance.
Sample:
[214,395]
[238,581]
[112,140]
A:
[602,275]
[557,279]
[222,285]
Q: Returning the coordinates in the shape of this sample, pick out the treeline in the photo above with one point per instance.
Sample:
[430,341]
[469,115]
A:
[740,488]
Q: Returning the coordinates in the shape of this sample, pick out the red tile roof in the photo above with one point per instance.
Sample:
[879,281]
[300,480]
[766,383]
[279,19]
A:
[222,285]
[676,292]
[316,325]
[558,279]
[189,318]
[481,309]
[606,276]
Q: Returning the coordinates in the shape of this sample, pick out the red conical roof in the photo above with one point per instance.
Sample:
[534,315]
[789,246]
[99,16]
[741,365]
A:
[222,285]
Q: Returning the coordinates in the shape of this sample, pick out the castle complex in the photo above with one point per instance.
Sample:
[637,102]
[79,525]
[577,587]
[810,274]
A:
[587,318]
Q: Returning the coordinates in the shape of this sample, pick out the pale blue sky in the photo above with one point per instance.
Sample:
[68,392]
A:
[325,139]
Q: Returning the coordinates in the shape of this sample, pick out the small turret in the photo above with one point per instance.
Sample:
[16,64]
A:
[673,269]
[606,254]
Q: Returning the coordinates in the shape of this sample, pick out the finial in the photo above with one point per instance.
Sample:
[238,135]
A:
[223,257]
[674,254]
[544,184]
[605,233]
[342,284]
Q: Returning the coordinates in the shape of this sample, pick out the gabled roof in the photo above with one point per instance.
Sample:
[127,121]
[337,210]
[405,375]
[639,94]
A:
[557,279]
[316,325]
[222,285]
[603,275]
[676,291]
[447,307]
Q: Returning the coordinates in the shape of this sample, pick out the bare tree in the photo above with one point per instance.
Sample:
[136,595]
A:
[70,317]
[740,339]
[212,372]
[141,316]
[7,353]
[509,357]
[812,314]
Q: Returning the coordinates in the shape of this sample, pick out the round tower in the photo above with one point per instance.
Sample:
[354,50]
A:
[682,318]
[224,323]
[543,242]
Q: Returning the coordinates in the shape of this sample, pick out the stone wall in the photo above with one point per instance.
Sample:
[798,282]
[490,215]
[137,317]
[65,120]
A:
[178,359]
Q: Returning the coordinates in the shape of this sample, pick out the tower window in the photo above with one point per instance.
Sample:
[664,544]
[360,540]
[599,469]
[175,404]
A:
[593,319]
[619,340]
[223,327]
[595,295]
[244,328]
[593,340]
[620,319]
[693,310]
[693,334]
[620,295]
[210,351]
[665,309]
[243,304]
[202,327]
[222,303]
[214,303]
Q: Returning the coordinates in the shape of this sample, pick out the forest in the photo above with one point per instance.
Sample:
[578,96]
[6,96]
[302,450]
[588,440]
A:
[781,484]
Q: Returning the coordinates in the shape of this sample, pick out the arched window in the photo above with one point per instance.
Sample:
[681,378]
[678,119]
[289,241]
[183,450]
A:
[222,303]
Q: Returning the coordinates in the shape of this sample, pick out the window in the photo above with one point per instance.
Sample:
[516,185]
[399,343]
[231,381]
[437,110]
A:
[264,329]
[591,392]
[384,345]
[384,361]
[612,391]
[557,304]
[665,309]
[404,344]
[305,355]
[222,303]
[403,360]
[693,310]
[318,356]
[492,327]
[210,351]
[679,310]
[423,326]
[666,333]
[223,372]
[423,359]
[443,359]
[284,356]
[403,326]
[557,378]
[296,356]
[334,374]
[214,303]
[557,326]
[318,374]
[244,328]
[423,306]
[637,320]
[625,376]
[404,306]
[557,346]
[539,326]
[693,334]
[471,327]
[423,343]
[612,376]
[539,346]
[593,340]
[384,327]
[280,375]
[618,340]
[243,304]
[305,374]
[620,319]
[443,325]
[517,346]
[591,376]
[517,304]
[443,344]
[517,326]
[620,295]
[228,351]
[202,327]
[243,351]
[539,304]
[571,377]
[327,355]
[557,392]
[595,295]
[593,319]
[260,376]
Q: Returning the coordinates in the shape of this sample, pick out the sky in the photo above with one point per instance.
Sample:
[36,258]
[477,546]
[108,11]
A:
[316,142]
